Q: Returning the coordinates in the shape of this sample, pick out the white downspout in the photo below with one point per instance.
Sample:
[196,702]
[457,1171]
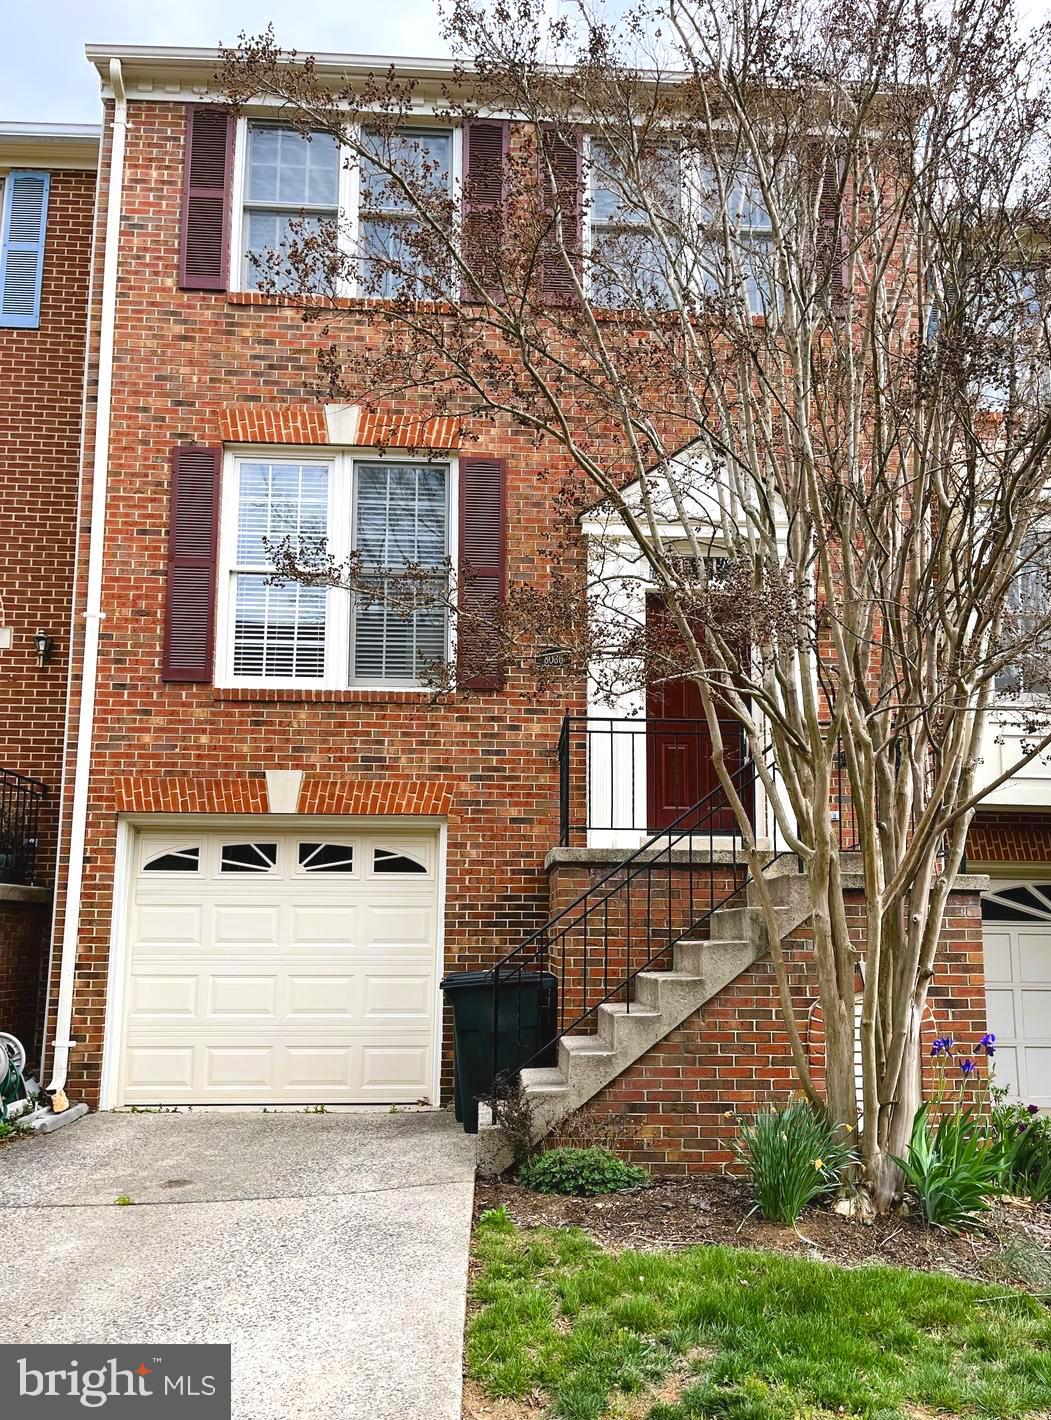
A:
[93,612]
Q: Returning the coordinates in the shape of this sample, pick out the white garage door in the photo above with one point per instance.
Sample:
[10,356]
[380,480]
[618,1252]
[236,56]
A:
[279,968]
[1017,935]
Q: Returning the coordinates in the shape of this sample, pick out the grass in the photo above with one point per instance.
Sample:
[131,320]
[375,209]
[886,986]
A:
[764,1337]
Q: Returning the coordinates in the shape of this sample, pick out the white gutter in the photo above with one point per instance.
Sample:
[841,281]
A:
[93,612]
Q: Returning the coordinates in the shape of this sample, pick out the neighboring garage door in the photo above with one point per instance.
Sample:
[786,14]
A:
[1017,934]
[281,968]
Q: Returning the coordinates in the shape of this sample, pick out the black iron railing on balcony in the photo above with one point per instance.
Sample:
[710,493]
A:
[639,774]
[20,799]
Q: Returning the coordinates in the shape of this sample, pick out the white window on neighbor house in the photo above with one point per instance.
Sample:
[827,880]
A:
[294,184]
[393,516]
[745,262]
[1028,610]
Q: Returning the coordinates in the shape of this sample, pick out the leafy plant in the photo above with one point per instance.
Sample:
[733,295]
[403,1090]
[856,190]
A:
[793,1155]
[1024,1137]
[581,1172]
[952,1167]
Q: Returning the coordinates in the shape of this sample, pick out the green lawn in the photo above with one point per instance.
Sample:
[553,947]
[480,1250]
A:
[762,1337]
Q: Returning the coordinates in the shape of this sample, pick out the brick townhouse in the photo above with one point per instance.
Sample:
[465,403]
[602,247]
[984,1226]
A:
[47,181]
[275,841]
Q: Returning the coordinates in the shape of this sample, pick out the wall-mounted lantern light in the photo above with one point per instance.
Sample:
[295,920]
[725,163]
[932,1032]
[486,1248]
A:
[44,644]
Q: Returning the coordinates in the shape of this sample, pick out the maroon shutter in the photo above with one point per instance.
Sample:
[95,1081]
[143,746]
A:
[483,571]
[562,153]
[189,623]
[484,168]
[831,233]
[204,245]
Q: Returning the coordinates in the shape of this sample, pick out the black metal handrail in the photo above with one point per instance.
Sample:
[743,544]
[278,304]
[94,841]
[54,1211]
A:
[676,851]
[20,799]
[614,768]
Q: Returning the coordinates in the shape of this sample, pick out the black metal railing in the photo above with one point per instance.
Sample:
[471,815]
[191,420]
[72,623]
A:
[20,799]
[637,774]
[629,920]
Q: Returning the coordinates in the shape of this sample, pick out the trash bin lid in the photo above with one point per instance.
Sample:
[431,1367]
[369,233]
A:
[509,977]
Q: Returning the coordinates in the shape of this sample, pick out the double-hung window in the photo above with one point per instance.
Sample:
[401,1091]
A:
[291,191]
[390,263]
[384,522]
[628,262]
[299,185]
[1026,623]
[738,254]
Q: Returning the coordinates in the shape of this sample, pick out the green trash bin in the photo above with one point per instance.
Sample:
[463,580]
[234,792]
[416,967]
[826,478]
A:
[525,1021]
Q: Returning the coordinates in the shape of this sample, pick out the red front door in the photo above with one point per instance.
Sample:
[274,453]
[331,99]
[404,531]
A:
[679,768]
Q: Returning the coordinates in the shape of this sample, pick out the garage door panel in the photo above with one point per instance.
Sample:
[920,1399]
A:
[312,1066]
[1005,1068]
[406,1066]
[240,924]
[1000,1011]
[1036,1013]
[238,1066]
[331,923]
[163,996]
[166,924]
[1018,995]
[159,1067]
[398,995]
[273,987]
[322,995]
[242,995]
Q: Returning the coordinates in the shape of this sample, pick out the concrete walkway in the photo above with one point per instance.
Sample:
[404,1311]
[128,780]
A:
[329,1250]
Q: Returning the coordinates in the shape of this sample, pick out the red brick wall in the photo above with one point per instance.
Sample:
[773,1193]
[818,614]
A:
[23,938]
[41,388]
[184,363]
[1010,836]
[732,1057]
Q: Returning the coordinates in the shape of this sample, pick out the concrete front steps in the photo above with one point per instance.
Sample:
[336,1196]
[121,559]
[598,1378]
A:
[701,968]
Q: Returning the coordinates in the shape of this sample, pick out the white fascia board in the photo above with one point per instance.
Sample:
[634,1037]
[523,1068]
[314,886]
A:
[50,146]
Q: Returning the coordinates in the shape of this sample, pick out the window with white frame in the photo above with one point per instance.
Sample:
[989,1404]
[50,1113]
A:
[297,184]
[291,191]
[387,519]
[628,262]
[1027,611]
[738,256]
[425,158]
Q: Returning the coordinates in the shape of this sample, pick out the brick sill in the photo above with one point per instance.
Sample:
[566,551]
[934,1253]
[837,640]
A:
[262,695]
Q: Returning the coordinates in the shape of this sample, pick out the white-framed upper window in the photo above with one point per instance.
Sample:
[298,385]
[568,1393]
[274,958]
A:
[290,184]
[1028,607]
[629,263]
[392,515]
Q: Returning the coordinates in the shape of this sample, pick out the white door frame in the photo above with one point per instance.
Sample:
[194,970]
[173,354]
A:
[129,827]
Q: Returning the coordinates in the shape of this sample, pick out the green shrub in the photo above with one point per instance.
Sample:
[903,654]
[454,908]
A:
[953,1167]
[793,1155]
[581,1172]
[1025,1140]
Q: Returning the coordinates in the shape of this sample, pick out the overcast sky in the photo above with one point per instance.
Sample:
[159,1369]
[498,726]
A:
[45,77]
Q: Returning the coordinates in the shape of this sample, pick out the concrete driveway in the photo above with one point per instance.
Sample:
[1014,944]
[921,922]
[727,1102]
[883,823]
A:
[329,1250]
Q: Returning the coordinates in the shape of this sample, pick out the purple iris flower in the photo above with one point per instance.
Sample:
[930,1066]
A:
[967,1067]
[942,1046]
[987,1043]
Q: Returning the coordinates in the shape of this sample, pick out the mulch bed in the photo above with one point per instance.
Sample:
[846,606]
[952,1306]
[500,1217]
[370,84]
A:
[711,1208]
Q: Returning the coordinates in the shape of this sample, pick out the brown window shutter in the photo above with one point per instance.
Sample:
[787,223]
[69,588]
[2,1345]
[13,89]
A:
[189,622]
[562,152]
[831,241]
[483,571]
[484,168]
[204,246]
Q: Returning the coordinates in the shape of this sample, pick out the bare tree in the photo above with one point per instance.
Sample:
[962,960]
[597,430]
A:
[787,326]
